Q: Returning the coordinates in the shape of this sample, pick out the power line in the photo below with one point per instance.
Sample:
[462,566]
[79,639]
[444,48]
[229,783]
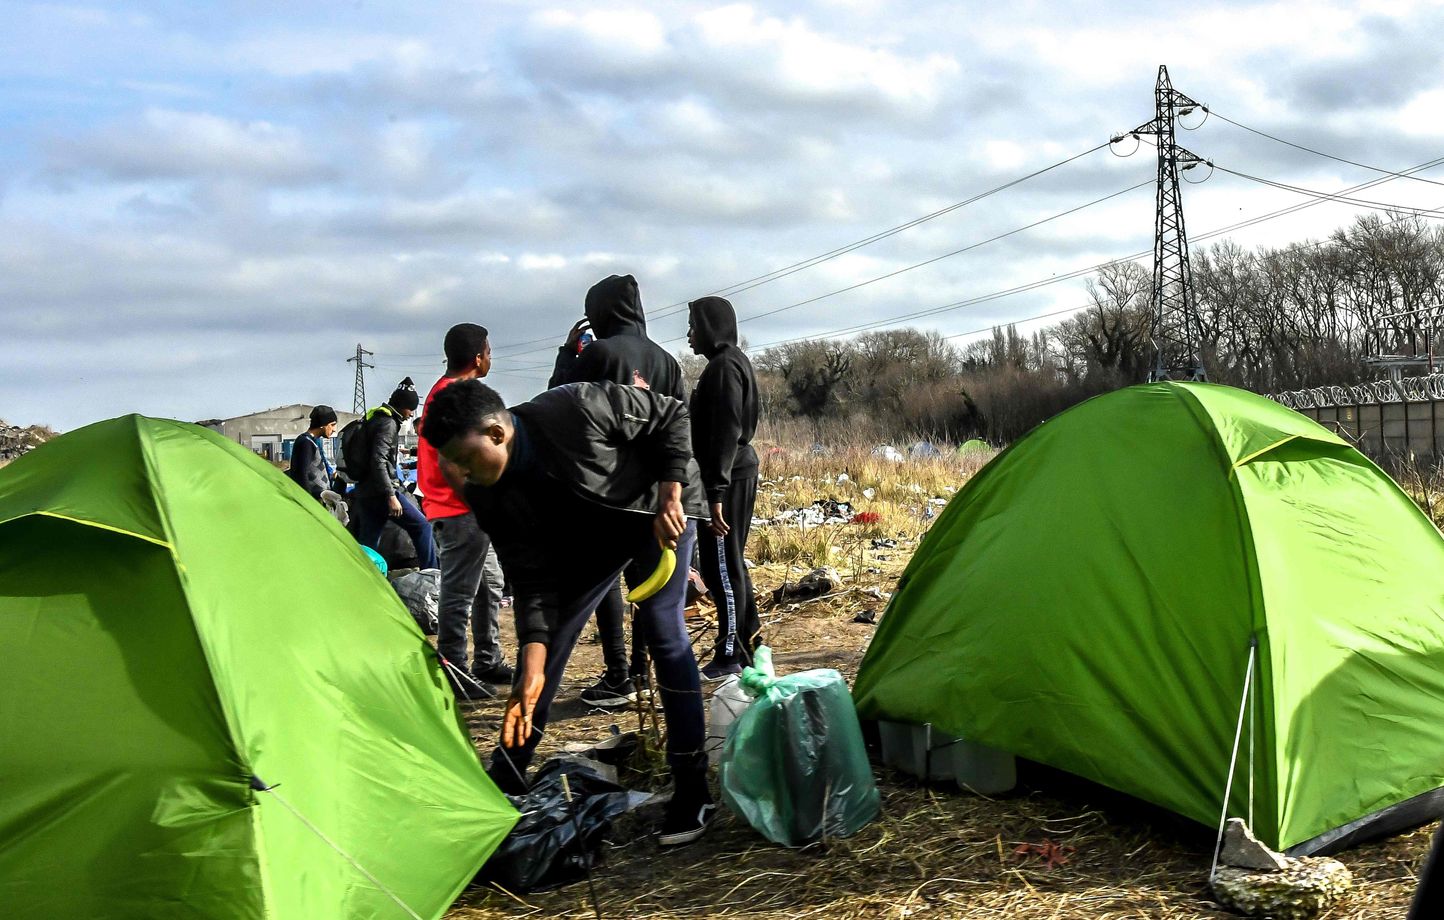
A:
[1329,196]
[775,274]
[946,255]
[1048,315]
[1327,156]
[1076,273]
[908,268]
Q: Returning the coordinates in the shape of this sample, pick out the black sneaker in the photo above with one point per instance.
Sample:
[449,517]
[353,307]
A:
[720,668]
[469,690]
[609,694]
[501,675]
[686,819]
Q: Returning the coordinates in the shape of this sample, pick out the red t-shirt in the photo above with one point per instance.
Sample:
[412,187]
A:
[439,499]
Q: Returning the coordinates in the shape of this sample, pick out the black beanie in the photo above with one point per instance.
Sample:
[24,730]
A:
[404,396]
[322,416]
[463,342]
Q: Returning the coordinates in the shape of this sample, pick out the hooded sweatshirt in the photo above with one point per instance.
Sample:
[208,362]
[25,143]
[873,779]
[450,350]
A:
[724,404]
[622,353]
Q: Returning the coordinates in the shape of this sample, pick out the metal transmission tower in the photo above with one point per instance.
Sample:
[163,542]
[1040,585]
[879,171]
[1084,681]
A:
[358,398]
[1175,328]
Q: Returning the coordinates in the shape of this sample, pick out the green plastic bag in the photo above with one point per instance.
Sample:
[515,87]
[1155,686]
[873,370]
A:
[794,766]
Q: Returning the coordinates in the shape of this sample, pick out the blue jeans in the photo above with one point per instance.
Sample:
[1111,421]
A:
[373,512]
[660,619]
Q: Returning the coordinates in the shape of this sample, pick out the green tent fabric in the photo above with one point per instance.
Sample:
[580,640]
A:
[1089,599]
[176,619]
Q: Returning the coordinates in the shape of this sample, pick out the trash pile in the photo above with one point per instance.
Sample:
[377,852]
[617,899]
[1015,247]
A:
[16,441]
[822,511]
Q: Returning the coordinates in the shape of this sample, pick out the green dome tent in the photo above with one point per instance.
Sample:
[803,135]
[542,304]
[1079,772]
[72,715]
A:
[1090,599]
[183,629]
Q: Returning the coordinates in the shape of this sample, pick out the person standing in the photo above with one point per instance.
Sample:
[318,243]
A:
[724,420]
[621,353]
[309,467]
[582,484]
[379,496]
[461,546]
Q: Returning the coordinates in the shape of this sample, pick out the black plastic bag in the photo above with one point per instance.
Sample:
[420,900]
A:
[556,842]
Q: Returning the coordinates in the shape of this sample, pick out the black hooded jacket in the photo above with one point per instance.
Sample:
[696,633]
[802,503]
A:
[622,353]
[724,404]
[576,498]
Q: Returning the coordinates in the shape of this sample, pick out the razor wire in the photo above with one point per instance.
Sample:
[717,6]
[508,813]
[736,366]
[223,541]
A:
[1425,388]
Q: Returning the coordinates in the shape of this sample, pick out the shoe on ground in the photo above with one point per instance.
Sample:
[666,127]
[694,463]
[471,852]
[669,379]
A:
[686,819]
[720,668]
[610,694]
[501,675]
[470,690]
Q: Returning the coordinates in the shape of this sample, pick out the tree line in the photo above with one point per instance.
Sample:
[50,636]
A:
[1271,319]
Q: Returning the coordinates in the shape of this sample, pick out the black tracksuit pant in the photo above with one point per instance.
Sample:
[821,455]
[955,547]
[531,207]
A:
[724,572]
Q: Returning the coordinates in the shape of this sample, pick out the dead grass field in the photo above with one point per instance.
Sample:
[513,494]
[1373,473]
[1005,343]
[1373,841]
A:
[933,852]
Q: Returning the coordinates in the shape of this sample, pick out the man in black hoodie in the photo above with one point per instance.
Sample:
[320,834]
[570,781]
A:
[724,419]
[623,354]
[576,487]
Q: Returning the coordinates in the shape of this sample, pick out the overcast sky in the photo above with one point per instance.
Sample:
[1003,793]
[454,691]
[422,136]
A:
[204,207]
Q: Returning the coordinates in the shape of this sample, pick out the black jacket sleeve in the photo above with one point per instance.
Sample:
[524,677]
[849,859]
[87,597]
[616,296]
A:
[562,370]
[383,443]
[720,395]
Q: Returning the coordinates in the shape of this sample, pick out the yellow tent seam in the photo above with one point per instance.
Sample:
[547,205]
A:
[96,524]
[1263,450]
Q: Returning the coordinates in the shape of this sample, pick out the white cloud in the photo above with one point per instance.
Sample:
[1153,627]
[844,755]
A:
[167,143]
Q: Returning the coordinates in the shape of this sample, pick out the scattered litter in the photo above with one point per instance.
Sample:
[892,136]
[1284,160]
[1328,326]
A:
[814,584]
[937,501]
[884,543]
[1049,852]
[869,493]
[924,450]
[822,511]
[868,616]
[888,452]
[843,477]
[819,450]
[866,517]
[420,590]
[876,593]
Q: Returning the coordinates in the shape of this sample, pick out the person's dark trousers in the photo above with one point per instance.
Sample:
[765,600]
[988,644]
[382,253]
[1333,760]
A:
[611,615]
[461,547]
[739,630]
[661,620]
[372,513]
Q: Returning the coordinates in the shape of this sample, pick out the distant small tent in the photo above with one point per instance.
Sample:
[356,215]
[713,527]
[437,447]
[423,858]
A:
[183,629]
[973,447]
[1091,598]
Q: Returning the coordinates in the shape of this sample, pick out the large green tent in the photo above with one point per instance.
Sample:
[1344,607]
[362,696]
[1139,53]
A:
[1090,599]
[182,627]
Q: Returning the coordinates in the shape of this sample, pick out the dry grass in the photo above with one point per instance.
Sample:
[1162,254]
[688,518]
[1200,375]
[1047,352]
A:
[934,852]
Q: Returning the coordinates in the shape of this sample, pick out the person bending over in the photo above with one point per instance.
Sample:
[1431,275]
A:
[585,482]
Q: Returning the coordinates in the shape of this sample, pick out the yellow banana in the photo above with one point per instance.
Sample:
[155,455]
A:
[663,574]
